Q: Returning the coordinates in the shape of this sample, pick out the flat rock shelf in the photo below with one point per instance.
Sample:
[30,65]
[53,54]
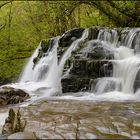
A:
[61,119]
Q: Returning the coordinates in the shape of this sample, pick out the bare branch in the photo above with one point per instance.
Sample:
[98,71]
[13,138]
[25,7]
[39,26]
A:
[4,4]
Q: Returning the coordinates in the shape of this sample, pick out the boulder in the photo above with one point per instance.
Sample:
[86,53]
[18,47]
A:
[74,84]
[71,35]
[14,122]
[10,95]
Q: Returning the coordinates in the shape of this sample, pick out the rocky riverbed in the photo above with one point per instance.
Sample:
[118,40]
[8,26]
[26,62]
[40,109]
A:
[62,119]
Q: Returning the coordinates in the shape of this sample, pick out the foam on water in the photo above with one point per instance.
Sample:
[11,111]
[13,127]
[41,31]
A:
[27,73]
[107,96]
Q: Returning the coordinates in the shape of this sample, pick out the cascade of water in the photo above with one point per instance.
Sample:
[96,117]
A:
[47,72]
[123,52]
[136,43]
[126,63]
[130,37]
[51,78]
[27,73]
[67,54]
[125,66]
[107,84]
[108,35]
[126,70]
[46,63]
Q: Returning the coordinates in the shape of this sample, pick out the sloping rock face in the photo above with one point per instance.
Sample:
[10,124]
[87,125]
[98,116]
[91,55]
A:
[9,95]
[79,120]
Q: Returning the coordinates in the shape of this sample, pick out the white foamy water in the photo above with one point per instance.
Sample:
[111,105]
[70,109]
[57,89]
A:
[108,35]
[3,116]
[106,96]
[27,73]
[126,70]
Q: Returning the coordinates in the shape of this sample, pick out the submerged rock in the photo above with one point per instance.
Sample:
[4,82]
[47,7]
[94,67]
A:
[9,95]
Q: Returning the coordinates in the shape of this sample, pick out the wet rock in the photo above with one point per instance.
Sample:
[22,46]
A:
[93,32]
[60,52]
[22,135]
[14,122]
[83,71]
[9,95]
[97,50]
[74,84]
[100,53]
[91,68]
[91,61]
[70,36]
[46,45]
[69,119]
[123,35]
[137,82]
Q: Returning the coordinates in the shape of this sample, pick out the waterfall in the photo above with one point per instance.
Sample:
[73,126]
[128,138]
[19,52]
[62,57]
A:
[120,50]
[108,35]
[126,70]
[47,63]
[27,73]
[126,64]
[67,54]
[48,72]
